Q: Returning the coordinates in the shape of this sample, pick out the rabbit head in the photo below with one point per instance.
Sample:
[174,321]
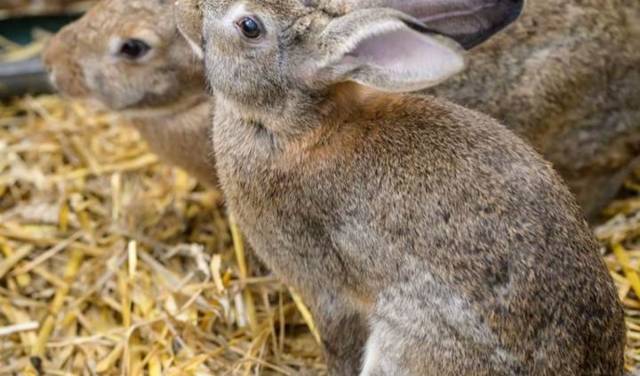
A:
[268,55]
[125,54]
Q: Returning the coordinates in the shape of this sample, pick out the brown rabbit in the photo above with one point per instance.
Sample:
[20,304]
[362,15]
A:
[128,56]
[424,229]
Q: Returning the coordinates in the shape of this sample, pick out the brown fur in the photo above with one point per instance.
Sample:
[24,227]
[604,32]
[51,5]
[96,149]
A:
[163,96]
[566,78]
[426,229]
[181,139]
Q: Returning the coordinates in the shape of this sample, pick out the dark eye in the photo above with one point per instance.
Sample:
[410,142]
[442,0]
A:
[250,28]
[134,49]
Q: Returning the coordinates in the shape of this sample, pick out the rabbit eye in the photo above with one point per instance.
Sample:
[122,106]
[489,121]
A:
[250,28]
[134,49]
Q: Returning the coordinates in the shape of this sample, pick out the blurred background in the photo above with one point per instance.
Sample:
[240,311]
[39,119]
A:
[24,27]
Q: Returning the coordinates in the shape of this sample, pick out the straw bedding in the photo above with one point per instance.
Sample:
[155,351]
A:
[113,263]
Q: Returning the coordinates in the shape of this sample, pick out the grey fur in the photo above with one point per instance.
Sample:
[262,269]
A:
[566,78]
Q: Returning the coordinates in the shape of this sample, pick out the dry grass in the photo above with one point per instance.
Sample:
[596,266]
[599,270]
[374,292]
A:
[112,263]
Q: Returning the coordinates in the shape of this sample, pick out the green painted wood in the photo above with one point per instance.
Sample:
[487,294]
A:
[20,29]
[28,76]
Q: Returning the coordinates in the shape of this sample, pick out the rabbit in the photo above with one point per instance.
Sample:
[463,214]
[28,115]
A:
[129,57]
[427,238]
[161,92]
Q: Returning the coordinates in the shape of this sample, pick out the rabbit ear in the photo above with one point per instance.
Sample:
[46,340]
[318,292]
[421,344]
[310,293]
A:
[188,18]
[386,50]
[469,22]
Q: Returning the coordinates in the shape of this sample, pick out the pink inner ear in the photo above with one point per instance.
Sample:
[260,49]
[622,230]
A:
[406,52]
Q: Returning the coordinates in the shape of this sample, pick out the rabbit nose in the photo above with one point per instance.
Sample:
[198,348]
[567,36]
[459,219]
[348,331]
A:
[52,78]
[64,72]
[49,56]
[48,65]
[49,51]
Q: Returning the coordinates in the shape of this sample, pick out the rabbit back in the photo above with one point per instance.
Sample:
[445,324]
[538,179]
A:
[565,78]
